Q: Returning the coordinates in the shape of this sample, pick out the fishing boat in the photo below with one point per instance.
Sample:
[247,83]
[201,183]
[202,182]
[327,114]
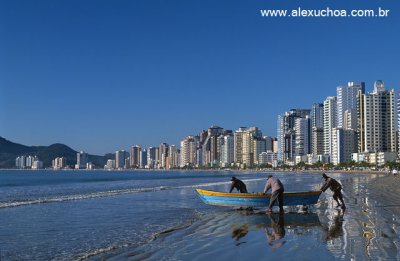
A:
[256,199]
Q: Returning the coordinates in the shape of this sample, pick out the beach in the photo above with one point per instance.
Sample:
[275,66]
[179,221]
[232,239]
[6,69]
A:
[366,230]
[158,216]
[386,191]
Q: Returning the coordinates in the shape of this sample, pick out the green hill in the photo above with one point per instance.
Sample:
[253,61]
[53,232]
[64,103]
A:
[9,151]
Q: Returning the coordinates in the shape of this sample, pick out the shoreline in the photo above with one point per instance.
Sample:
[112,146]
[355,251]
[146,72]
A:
[382,172]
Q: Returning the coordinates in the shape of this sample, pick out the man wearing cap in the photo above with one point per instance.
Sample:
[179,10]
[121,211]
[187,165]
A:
[336,188]
[277,192]
[238,184]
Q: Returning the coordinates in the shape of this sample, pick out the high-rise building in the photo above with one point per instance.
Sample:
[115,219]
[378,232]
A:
[317,121]
[347,101]
[238,145]
[173,158]
[344,144]
[227,157]
[287,134]
[135,156]
[259,146]
[110,164]
[151,157]
[318,141]
[188,152]
[317,115]
[162,155]
[120,157]
[302,136]
[59,163]
[29,161]
[377,120]
[209,146]
[330,119]
[37,164]
[275,145]
[81,160]
[157,157]
[249,137]
[398,123]
[143,158]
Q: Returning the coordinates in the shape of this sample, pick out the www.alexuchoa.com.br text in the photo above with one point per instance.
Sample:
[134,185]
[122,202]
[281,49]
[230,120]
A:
[327,12]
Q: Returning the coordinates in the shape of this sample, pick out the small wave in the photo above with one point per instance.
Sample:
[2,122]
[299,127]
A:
[78,196]
[110,193]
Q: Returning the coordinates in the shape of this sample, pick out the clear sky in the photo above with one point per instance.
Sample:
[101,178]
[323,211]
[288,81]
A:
[104,75]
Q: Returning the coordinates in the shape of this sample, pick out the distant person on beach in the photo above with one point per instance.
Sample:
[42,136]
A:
[238,184]
[277,192]
[336,188]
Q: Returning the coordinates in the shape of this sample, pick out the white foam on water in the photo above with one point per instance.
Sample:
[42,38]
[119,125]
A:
[110,193]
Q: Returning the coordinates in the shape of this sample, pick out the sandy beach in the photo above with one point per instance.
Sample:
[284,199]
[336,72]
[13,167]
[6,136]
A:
[137,216]
[367,230]
[386,191]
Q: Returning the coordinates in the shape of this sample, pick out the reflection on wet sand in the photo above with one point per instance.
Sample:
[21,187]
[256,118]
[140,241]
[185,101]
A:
[239,232]
[273,225]
[276,234]
[335,230]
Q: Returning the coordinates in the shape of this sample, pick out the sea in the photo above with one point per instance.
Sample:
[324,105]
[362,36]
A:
[157,215]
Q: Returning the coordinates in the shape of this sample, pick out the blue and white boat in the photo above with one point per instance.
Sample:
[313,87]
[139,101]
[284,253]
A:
[256,199]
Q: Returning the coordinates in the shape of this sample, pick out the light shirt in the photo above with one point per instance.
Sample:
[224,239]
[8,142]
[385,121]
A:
[274,184]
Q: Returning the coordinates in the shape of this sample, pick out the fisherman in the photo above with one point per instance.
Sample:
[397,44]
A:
[336,187]
[238,184]
[277,192]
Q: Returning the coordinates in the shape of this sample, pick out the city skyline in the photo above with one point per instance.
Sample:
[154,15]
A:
[103,77]
[127,147]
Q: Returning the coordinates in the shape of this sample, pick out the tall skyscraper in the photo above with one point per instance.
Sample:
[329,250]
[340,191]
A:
[135,156]
[120,159]
[377,120]
[173,158]
[59,163]
[151,157]
[344,144]
[269,143]
[347,101]
[227,157]
[249,149]
[317,127]
[287,134]
[81,160]
[398,123]
[209,146]
[317,115]
[318,141]
[163,154]
[259,146]
[238,145]
[143,158]
[330,119]
[303,136]
[188,152]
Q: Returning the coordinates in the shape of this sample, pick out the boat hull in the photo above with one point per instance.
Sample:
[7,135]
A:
[256,199]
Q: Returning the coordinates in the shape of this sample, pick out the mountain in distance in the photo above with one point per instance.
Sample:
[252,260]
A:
[9,151]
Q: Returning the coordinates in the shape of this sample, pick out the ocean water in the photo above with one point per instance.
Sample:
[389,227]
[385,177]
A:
[156,215]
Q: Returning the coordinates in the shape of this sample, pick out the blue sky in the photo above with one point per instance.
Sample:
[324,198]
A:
[104,75]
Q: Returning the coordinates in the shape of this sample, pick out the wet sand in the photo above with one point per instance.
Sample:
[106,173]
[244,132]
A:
[386,191]
[368,229]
